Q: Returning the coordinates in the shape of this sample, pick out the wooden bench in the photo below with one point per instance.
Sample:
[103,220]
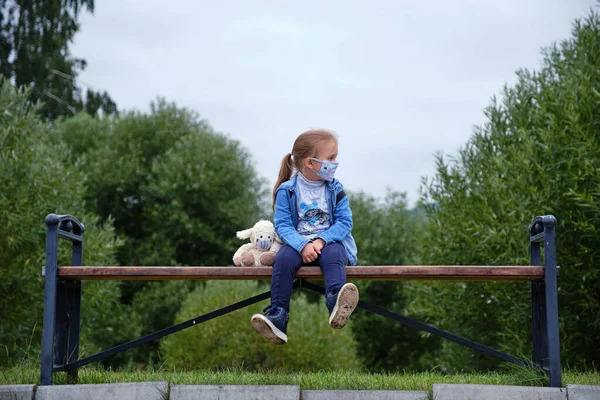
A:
[378,273]
[62,296]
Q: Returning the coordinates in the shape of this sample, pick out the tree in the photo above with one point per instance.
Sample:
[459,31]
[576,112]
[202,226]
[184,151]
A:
[537,154]
[178,192]
[34,40]
[388,233]
[36,180]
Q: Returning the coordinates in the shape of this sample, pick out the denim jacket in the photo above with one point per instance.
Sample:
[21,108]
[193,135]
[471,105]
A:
[286,218]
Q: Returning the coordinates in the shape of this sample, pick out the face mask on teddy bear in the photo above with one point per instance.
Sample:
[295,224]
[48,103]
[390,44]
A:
[263,242]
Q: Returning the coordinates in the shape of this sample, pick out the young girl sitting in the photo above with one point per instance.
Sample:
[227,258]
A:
[313,218]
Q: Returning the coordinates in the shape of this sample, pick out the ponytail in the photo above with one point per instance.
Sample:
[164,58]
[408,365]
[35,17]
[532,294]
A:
[285,173]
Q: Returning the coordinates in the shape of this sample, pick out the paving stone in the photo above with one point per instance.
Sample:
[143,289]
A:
[363,395]
[497,392]
[17,392]
[105,391]
[234,392]
[583,392]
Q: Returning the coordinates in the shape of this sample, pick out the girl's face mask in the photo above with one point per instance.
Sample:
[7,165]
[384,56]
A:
[327,170]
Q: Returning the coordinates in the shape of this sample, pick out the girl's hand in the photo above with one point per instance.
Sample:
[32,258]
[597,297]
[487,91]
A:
[319,244]
[309,253]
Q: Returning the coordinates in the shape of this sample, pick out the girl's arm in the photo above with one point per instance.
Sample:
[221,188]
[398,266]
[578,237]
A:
[284,225]
[342,224]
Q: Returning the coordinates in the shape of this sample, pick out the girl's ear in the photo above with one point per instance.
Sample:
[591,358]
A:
[308,163]
[245,234]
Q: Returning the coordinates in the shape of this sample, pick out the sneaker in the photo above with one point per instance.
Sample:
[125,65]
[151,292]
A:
[272,325]
[341,305]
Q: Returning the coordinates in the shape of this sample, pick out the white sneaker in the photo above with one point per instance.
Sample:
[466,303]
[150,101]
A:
[345,303]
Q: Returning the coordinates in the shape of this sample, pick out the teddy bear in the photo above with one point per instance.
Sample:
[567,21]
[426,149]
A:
[264,244]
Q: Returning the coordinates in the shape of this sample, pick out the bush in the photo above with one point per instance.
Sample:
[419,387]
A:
[230,342]
[37,180]
[537,154]
[388,233]
[177,192]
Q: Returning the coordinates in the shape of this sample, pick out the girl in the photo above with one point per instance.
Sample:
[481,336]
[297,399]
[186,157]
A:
[314,220]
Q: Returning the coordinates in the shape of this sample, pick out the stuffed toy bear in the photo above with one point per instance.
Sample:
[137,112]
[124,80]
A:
[264,244]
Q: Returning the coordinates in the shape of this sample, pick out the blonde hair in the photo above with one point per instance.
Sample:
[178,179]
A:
[305,146]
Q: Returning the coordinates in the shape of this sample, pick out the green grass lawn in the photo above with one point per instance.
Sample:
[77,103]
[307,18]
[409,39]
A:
[307,381]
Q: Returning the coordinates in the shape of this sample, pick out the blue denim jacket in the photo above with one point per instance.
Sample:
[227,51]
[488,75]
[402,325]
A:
[286,218]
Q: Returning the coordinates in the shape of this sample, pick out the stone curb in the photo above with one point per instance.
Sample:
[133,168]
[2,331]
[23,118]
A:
[105,391]
[363,394]
[17,392]
[160,390]
[496,392]
[234,392]
[583,392]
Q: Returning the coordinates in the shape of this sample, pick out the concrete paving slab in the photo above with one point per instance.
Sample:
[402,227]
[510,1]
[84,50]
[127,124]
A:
[105,391]
[17,392]
[583,392]
[234,392]
[364,395]
[497,392]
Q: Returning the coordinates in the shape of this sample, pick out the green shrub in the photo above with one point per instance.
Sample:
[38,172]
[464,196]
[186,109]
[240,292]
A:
[388,233]
[177,192]
[36,180]
[537,154]
[229,341]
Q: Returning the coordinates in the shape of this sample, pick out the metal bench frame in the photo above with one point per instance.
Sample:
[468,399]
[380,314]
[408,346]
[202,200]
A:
[62,297]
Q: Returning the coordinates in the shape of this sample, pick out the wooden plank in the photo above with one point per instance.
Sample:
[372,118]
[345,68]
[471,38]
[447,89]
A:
[405,272]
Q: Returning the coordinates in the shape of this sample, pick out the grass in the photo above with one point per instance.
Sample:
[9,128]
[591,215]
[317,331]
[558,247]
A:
[349,380]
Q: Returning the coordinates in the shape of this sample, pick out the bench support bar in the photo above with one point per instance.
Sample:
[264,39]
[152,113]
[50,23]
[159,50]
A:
[544,299]
[427,328]
[163,332]
[49,300]
[62,299]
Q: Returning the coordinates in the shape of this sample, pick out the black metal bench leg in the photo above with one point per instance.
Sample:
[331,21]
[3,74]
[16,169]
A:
[540,334]
[538,311]
[66,341]
[49,299]
[61,324]
[73,307]
[551,294]
[73,312]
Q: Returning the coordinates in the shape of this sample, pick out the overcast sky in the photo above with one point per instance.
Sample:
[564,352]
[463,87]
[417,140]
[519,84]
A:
[397,80]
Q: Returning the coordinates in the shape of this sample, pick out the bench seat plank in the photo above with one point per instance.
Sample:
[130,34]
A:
[405,272]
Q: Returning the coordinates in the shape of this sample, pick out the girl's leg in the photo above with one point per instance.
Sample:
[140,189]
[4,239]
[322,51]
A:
[341,298]
[333,261]
[273,325]
[287,262]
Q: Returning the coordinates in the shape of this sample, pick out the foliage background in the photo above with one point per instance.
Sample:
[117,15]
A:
[166,188]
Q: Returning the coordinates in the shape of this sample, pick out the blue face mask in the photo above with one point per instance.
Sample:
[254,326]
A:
[264,243]
[327,170]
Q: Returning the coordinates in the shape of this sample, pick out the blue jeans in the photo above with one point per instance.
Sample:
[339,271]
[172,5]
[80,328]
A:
[333,261]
